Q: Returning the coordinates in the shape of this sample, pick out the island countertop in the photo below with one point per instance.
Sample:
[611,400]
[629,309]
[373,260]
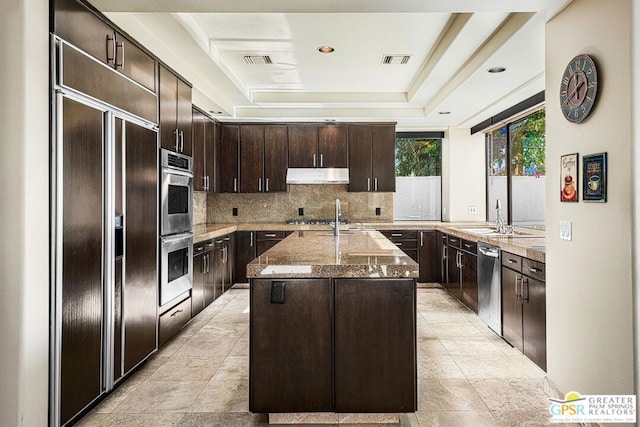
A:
[320,254]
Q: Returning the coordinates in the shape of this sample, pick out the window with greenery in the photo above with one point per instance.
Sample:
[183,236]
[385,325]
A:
[516,171]
[418,193]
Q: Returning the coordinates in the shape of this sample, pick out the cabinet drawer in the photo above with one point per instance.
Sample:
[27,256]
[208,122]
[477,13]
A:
[173,320]
[533,269]
[406,244]
[270,235]
[456,242]
[397,235]
[512,261]
[469,246]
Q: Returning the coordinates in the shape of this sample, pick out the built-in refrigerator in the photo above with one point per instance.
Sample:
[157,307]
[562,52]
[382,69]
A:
[104,198]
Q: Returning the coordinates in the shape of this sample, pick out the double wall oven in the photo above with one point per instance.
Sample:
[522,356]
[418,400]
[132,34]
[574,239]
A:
[176,225]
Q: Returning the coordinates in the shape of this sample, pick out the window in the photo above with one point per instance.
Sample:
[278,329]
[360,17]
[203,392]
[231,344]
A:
[418,193]
[516,171]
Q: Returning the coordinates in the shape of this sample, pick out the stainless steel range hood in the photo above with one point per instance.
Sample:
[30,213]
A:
[317,176]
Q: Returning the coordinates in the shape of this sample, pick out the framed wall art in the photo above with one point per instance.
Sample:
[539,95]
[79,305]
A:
[594,182]
[569,178]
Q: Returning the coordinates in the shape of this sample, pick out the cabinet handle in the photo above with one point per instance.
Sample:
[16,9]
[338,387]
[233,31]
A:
[111,40]
[398,244]
[226,239]
[512,261]
[177,132]
[176,312]
[260,185]
[396,234]
[534,270]
[251,238]
[235,185]
[445,249]
[321,160]
[115,62]
[461,263]
[466,245]
[182,141]
[314,160]
[518,279]
[270,235]
[525,298]
[368,184]
[375,184]
[422,238]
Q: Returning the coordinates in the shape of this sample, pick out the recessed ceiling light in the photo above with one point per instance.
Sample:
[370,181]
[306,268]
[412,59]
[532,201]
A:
[495,70]
[444,112]
[215,112]
[330,120]
[325,49]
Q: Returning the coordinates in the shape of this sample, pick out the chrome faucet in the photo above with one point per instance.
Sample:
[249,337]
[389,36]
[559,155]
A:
[336,225]
[501,228]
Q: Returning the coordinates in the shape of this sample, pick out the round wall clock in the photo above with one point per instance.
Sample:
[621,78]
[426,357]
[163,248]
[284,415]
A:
[578,88]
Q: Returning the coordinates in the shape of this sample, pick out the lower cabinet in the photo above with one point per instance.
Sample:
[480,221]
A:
[430,254]
[202,290]
[462,270]
[245,252]
[291,361]
[524,307]
[406,240]
[375,365]
[173,320]
[343,345]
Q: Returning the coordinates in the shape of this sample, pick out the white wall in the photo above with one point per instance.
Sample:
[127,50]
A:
[463,175]
[24,214]
[589,279]
[635,121]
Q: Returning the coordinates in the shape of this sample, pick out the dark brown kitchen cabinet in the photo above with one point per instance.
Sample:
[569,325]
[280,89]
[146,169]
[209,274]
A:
[227,159]
[333,147]
[372,158]
[175,112]
[524,306]
[245,252]
[95,35]
[204,140]
[443,252]
[462,271]
[406,240]
[202,292]
[375,336]
[303,146]
[291,351]
[265,240]
[173,320]
[263,158]
[429,252]
[275,158]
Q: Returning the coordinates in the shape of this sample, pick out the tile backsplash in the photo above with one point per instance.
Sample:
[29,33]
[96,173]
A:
[317,202]
[199,207]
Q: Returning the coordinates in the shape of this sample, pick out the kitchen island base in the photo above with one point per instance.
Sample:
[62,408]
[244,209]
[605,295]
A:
[340,345]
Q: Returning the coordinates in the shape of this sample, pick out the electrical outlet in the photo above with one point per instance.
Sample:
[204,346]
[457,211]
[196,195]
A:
[473,210]
[234,211]
[565,230]
[378,211]
[300,211]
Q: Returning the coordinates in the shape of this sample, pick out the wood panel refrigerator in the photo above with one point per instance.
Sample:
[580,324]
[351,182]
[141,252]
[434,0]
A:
[104,265]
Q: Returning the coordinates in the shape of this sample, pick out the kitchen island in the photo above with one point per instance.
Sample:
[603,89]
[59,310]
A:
[333,328]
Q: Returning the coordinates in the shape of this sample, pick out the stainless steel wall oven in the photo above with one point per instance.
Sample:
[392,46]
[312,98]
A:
[176,266]
[176,193]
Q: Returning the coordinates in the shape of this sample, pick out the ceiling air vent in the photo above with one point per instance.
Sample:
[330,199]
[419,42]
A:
[395,59]
[258,59]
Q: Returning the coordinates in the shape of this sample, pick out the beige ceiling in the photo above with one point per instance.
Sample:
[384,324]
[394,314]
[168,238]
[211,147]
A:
[450,45]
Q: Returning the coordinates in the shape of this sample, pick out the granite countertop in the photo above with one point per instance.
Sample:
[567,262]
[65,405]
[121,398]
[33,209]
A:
[319,254]
[529,243]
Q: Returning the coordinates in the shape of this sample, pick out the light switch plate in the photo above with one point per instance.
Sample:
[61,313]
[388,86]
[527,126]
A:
[565,230]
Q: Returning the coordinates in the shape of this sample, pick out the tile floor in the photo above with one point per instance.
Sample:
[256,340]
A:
[467,375]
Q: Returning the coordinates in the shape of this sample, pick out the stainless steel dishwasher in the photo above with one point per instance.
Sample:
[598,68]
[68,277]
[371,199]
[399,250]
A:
[490,286]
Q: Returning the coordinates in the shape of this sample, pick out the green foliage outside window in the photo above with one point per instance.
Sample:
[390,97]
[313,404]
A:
[527,146]
[418,157]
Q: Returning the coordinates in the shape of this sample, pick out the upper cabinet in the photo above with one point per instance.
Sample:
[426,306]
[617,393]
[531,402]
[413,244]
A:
[303,146]
[81,27]
[175,112]
[333,146]
[263,158]
[204,141]
[227,159]
[318,146]
[372,157]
